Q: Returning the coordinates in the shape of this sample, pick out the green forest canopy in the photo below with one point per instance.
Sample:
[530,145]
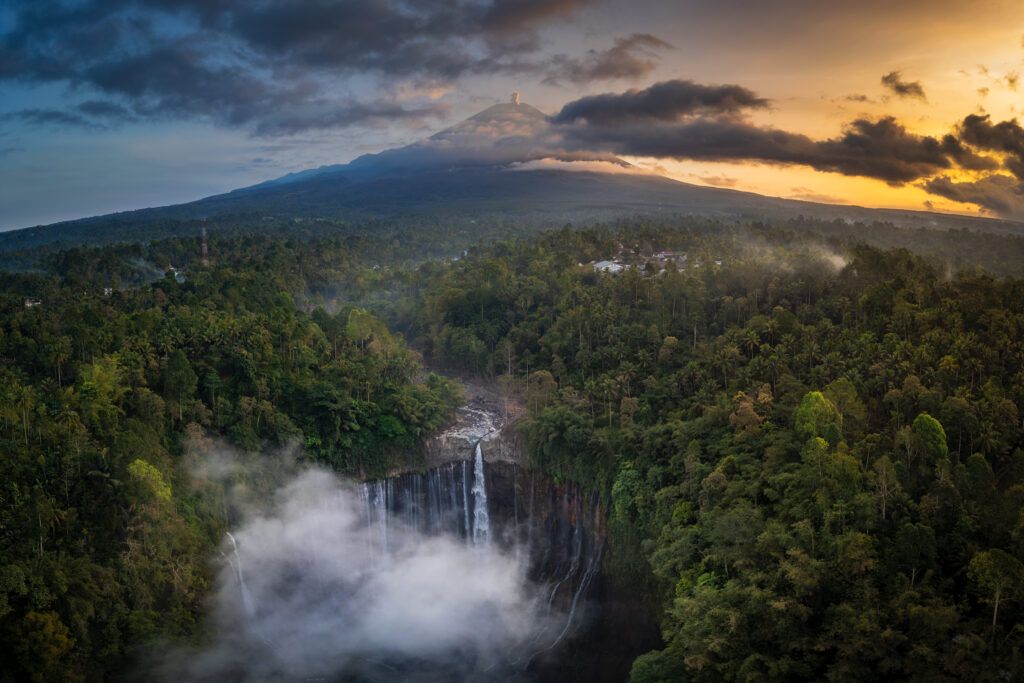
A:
[812,451]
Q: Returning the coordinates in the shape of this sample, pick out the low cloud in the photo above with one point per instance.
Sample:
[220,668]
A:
[583,165]
[881,148]
[307,589]
[665,101]
[51,117]
[808,195]
[1000,194]
[894,83]
[267,66]
[630,58]
[1006,137]
[717,180]
[689,121]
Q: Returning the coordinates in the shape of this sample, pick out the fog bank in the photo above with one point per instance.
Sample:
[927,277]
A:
[305,592]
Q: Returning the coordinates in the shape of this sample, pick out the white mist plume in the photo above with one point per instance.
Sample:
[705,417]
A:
[305,594]
[835,260]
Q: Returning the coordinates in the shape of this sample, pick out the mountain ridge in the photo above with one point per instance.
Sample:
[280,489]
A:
[506,160]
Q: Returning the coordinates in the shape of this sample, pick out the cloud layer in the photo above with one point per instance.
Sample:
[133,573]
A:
[683,120]
[629,58]
[278,68]
[305,594]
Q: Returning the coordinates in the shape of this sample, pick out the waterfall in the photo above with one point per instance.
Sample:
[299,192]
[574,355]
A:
[467,529]
[481,521]
[247,601]
[553,531]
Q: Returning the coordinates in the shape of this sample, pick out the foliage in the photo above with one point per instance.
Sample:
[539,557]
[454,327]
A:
[822,466]
[104,538]
[811,448]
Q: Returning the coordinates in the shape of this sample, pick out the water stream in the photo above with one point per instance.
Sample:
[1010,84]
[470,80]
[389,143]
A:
[507,518]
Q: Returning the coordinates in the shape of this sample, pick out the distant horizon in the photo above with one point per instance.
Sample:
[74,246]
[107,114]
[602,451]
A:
[70,217]
[111,107]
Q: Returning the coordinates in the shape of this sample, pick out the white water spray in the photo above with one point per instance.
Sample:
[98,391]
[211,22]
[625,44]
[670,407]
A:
[481,520]
[247,602]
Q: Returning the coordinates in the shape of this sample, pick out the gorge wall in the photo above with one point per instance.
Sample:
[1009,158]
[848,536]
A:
[474,483]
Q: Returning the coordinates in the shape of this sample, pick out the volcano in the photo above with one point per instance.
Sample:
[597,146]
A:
[506,161]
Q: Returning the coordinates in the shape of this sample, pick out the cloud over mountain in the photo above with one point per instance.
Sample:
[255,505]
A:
[687,120]
[630,57]
[665,101]
[999,194]
[276,67]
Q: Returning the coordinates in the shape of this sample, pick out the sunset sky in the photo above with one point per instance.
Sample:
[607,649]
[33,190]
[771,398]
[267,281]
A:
[108,105]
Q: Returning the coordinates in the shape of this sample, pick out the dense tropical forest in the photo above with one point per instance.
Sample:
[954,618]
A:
[105,539]
[815,457]
[807,436]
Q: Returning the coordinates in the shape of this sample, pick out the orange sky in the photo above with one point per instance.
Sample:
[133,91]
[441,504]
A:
[965,55]
[105,132]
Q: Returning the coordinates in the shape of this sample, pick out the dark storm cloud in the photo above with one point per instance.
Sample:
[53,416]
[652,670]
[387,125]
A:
[996,193]
[999,194]
[1006,137]
[50,117]
[684,120]
[357,36]
[665,101]
[241,63]
[882,149]
[687,120]
[965,157]
[894,82]
[517,15]
[631,57]
[105,110]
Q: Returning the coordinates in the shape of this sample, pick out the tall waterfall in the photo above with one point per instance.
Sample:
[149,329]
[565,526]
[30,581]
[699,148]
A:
[348,555]
[554,530]
[465,500]
[481,520]
[447,499]
[247,602]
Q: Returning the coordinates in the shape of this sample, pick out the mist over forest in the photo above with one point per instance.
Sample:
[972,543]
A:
[366,341]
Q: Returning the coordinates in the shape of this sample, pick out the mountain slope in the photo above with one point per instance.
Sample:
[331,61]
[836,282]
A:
[506,160]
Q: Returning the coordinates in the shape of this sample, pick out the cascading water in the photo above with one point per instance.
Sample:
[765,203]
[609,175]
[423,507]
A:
[548,536]
[558,537]
[554,533]
[481,519]
[466,528]
[236,563]
[470,569]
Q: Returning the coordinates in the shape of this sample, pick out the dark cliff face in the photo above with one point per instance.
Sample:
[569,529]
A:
[566,532]
[558,528]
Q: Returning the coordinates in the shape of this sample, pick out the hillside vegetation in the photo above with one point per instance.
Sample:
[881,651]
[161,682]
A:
[815,458]
[810,447]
